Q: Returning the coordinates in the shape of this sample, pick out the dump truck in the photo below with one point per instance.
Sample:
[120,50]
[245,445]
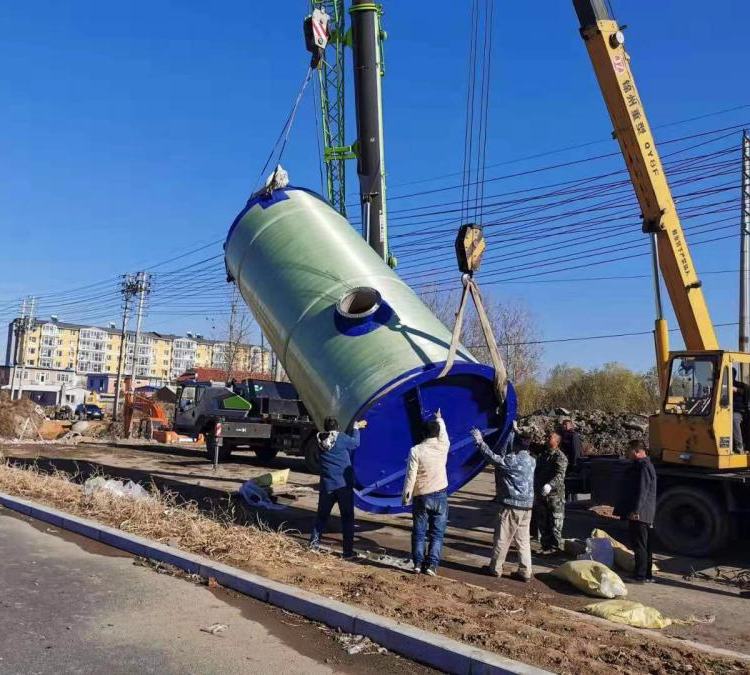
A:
[263,416]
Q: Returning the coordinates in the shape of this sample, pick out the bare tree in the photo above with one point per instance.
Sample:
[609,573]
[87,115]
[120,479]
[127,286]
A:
[238,332]
[513,324]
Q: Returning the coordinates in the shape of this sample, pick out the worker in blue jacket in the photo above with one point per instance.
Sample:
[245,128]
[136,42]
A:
[336,481]
[515,465]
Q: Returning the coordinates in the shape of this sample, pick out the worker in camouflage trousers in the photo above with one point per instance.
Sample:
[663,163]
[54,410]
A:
[549,494]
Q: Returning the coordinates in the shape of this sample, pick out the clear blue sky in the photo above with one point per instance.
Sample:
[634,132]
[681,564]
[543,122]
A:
[132,132]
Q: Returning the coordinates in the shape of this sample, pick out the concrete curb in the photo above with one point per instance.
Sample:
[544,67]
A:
[428,648]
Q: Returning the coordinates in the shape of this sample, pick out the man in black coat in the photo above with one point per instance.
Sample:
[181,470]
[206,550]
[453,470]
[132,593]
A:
[570,444]
[637,505]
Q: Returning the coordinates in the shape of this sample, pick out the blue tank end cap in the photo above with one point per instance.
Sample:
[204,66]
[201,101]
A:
[395,416]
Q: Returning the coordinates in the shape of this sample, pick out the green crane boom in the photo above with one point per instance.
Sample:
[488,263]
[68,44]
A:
[332,99]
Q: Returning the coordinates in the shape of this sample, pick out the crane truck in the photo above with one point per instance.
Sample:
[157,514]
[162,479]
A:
[702,463]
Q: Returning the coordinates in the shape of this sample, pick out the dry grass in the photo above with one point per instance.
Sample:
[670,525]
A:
[161,519]
[523,628]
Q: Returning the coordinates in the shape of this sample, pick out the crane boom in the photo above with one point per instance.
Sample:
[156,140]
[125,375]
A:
[604,42]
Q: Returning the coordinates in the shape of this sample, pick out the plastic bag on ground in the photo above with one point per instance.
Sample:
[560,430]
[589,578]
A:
[129,489]
[599,549]
[624,558]
[630,613]
[256,496]
[592,578]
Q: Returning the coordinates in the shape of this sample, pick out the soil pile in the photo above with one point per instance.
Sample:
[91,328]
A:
[601,433]
[19,418]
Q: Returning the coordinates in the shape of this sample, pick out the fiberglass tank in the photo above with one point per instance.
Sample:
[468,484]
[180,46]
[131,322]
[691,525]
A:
[357,342]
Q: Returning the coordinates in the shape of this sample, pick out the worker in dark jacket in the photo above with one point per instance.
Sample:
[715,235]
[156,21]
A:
[336,481]
[549,494]
[637,505]
[570,444]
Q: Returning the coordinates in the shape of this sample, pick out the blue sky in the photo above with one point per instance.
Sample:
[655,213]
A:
[132,133]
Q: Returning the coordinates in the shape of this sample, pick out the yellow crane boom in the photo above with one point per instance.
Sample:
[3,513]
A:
[605,44]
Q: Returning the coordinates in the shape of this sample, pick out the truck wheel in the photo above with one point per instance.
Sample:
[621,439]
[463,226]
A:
[312,455]
[225,451]
[691,521]
[266,453]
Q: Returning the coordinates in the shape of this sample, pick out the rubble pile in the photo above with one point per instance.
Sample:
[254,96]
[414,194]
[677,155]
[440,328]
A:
[20,418]
[602,433]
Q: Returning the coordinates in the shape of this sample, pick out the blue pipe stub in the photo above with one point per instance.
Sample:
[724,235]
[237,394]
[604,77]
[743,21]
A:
[466,398]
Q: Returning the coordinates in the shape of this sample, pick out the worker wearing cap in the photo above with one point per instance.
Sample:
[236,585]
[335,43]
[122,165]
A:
[549,494]
[515,465]
[426,484]
[336,481]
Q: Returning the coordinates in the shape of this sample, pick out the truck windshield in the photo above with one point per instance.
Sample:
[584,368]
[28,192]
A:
[691,386]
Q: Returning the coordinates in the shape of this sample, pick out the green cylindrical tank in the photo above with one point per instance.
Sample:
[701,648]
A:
[354,339]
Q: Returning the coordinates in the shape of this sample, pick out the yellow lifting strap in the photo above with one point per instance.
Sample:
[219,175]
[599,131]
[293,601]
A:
[470,246]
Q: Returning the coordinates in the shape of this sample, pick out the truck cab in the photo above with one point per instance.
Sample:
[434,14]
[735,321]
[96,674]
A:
[696,423]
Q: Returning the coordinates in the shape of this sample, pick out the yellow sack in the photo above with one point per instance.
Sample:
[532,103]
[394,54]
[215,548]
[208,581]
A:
[630,613]
[624,557]
[592,578]
[279,477]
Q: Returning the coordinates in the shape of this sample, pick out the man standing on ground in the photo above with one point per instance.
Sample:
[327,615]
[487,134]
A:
[336,481]
[549,494]
[426,483]
[637,505]
[572,448]
[570,444]
[516,467]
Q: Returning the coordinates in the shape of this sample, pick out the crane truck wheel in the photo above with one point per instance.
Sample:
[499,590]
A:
[691,521]
[312,454]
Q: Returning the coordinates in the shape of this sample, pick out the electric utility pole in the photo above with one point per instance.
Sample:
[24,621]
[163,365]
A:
[128,289]
[26,322]
[143,284]
[17,330]
[367,56]
[745,254]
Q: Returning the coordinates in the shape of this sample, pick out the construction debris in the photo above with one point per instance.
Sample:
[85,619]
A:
[602,433]
[19,419]
[359,644]
[215,628]
[738,578]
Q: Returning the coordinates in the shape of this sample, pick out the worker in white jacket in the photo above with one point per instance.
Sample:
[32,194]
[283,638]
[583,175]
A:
[426,484]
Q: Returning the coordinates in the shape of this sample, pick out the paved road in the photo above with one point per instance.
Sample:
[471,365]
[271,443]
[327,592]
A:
[69,605]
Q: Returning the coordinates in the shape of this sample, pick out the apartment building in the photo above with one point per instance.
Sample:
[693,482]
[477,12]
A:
[55,345]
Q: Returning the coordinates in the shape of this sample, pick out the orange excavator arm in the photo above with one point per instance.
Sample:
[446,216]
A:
[150,409]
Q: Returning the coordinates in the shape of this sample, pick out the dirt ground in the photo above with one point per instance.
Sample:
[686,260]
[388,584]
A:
[185,470]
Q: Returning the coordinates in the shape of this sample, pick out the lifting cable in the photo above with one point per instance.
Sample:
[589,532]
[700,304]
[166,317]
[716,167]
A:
[470,242]
[279,146]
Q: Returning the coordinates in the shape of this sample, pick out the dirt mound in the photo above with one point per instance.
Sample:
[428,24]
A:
[602,433]
[19,418]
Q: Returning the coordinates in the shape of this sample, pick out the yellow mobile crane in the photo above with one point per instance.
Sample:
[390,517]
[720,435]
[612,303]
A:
[704,482]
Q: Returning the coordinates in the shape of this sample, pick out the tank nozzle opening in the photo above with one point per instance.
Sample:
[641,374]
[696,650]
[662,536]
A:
[359,303]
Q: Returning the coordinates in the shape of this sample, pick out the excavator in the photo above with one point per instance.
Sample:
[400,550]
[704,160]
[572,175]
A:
[153,425]
[699,438]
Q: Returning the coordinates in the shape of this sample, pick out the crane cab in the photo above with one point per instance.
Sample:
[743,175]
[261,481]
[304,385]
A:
[704,419]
